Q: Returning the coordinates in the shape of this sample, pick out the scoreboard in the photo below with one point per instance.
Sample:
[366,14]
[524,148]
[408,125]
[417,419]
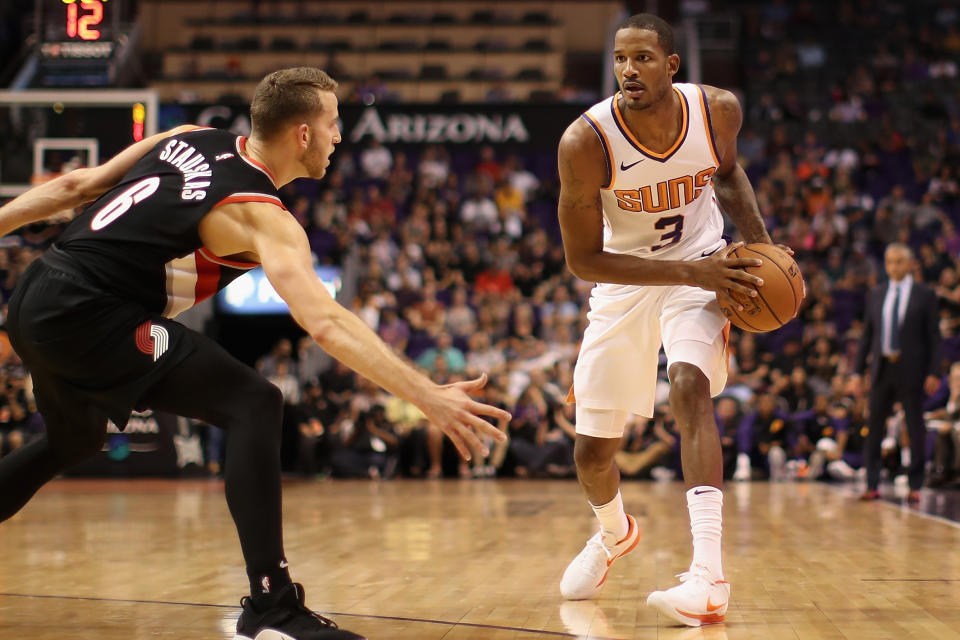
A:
[80,40]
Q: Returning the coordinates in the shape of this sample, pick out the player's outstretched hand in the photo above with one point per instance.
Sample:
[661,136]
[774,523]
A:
[725,274]
[451,408]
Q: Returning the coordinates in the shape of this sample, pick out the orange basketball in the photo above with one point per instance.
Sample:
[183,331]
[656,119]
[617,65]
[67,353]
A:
[778,299]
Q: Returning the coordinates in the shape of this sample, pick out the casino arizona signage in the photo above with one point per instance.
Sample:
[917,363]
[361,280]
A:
[439,127]
[533,125]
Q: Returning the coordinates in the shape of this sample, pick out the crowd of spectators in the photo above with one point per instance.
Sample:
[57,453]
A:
[462,270]
[19,419]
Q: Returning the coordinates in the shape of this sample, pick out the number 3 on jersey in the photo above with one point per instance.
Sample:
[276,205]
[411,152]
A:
[136,193]
[673,236]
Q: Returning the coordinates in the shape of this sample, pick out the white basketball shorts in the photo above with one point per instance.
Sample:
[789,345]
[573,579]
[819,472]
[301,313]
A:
[617,366]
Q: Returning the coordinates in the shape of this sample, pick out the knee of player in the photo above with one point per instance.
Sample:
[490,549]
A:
[687,383]
[592,456]
[264,400]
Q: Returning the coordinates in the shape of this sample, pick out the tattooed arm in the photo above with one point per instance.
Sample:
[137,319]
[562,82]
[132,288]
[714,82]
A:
[730,183]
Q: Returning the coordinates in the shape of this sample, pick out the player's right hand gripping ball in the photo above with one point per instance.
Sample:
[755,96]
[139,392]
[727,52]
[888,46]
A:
[778,300]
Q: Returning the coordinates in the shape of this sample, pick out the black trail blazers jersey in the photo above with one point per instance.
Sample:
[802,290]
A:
[140,240]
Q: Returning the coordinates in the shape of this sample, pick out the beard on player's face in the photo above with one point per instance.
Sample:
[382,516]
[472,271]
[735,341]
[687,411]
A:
[653,97]
[314,158]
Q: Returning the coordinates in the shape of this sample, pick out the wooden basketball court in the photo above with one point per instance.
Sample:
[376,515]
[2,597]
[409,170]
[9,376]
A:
[477,560]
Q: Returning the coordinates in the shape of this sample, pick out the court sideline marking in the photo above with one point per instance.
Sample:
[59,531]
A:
[841,489]
[928,516]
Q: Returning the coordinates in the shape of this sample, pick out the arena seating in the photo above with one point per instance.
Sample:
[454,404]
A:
[426,49]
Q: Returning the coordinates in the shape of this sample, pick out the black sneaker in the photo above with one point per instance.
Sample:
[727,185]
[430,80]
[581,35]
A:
[287,619]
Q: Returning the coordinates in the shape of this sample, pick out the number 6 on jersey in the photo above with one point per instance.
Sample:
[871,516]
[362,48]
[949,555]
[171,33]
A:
[122,203]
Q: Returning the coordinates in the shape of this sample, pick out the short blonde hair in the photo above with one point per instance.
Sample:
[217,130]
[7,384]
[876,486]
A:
[287,95]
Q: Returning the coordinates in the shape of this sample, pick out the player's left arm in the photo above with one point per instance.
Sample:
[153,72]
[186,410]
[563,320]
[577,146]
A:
[730,182]
[78,187]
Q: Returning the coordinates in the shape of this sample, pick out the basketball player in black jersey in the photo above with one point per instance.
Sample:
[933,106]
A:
[177,217]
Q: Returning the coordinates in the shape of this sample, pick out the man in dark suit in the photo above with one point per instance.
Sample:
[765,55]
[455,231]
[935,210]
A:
[901,333]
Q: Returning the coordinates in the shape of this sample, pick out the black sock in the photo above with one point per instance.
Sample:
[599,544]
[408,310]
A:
[264,586]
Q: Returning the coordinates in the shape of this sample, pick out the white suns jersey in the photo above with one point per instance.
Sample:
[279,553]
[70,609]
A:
[660,205]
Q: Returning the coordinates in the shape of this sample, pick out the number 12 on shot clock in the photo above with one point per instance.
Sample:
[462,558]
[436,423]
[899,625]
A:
[82,19]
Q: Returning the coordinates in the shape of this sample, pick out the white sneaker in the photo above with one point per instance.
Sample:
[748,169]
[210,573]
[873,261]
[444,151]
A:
[743,472]
[587,572]
[777,461]
[695,601]
[840,470]
[662,474]
[818,460]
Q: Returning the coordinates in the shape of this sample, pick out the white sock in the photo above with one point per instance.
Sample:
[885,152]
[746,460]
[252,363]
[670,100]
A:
[706,524]
[612,517]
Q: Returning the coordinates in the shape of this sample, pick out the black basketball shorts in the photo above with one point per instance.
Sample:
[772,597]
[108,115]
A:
[89,352]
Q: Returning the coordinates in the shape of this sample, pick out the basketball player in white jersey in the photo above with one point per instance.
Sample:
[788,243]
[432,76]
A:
[644,175]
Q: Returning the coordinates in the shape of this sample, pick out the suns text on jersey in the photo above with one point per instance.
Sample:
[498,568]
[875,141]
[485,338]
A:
[192,165]
[668,193]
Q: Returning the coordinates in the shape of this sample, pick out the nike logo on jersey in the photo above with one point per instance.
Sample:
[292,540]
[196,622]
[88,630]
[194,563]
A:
[223,156]
[152,339]
[624,167]
[704,255]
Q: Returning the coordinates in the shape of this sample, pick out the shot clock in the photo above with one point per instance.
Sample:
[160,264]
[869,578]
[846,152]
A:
[79,39]
[84,25]
[79,20]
